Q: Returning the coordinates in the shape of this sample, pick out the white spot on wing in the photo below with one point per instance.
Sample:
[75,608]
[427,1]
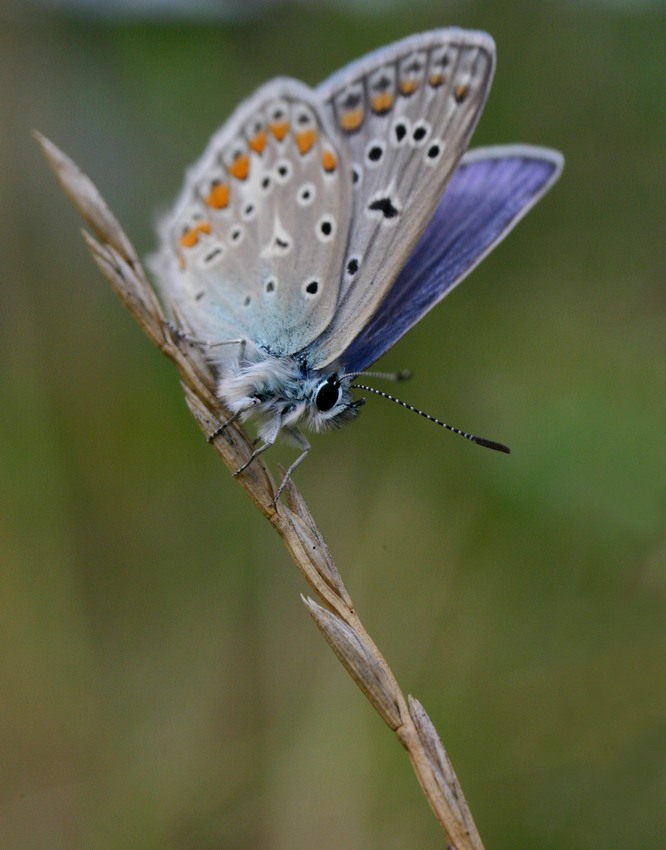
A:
[306,194]
[325,228]
[374,153]
[236,235]
[420,133]
[283,171]
[280,242]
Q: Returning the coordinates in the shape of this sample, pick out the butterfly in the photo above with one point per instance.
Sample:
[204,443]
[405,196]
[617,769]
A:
[321,224]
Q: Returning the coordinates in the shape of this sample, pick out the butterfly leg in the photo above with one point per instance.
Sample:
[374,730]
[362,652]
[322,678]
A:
[178,333]
[229,421]
[269,440]
[204,343]
[262,448]
[305,446]
[220,428]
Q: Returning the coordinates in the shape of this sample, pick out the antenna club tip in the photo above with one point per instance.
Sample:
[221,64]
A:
[404,375]
[491,444]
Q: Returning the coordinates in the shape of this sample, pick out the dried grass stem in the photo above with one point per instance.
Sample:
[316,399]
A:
[333,612]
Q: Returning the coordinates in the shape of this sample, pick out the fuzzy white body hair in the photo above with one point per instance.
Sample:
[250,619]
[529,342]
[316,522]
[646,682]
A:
[281,395]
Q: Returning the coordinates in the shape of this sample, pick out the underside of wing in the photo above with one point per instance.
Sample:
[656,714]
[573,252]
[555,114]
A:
[404,115]
[489,193]
[256,242]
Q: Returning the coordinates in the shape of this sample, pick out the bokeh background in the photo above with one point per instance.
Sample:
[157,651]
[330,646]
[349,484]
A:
[161,685]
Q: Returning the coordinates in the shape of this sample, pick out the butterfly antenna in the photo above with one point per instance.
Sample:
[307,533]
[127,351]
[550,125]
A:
[489,444]
[396,377]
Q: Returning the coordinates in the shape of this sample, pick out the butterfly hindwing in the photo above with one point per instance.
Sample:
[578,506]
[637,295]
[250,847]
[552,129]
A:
[405,115]
[258,236]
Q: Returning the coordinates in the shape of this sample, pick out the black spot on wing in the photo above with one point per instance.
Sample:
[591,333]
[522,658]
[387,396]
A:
[385,206]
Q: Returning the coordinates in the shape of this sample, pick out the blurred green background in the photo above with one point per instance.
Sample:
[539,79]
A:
[161,685]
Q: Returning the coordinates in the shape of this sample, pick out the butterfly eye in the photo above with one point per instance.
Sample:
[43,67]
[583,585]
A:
[328,394]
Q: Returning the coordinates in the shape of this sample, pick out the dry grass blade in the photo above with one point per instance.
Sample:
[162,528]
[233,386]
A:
[335,616]
[360,662]
[442,768]
[83,193]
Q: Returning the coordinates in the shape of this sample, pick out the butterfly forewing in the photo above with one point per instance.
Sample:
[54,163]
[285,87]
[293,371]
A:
[489,193]
[404,115]
[258,238]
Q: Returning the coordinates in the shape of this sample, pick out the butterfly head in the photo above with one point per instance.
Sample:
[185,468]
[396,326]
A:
[281,392]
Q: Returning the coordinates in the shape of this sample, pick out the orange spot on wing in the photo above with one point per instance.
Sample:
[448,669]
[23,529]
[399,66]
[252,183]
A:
[218,197]
[240,167]
[381,103]
[306,140]
[437,80]
[350,121]
[279,130]
[460,93]
[190,238]
[258,142]
[408,87]
[328,161]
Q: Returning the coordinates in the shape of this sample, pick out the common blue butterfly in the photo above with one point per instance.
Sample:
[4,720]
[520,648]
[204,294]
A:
[321,224]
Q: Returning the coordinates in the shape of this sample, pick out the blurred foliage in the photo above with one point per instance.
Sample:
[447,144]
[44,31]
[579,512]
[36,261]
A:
[162,686]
